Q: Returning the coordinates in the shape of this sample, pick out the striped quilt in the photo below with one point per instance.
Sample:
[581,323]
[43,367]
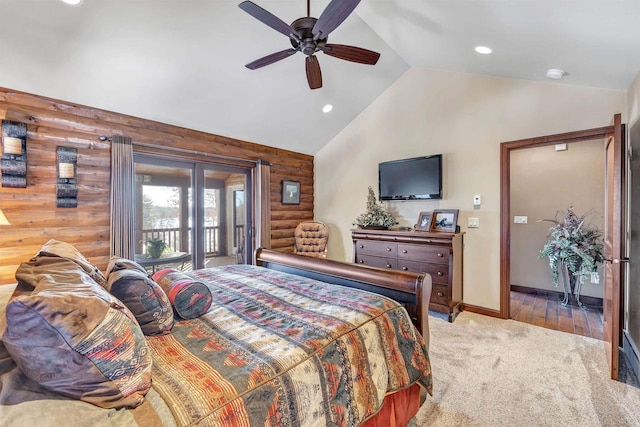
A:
[277,349]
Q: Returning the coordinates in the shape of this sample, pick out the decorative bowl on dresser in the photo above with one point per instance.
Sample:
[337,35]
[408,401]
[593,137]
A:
[436,253]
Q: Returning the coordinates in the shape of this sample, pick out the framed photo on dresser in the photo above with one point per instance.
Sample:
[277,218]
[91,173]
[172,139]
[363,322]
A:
[424,221]
[445,220]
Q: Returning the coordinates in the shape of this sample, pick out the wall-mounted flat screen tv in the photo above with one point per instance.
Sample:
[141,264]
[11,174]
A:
[417,178]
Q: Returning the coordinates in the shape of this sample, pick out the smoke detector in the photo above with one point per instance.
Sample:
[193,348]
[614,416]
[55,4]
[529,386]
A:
[555,73]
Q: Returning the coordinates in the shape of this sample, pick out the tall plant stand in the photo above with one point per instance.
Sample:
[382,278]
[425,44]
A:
[572,286]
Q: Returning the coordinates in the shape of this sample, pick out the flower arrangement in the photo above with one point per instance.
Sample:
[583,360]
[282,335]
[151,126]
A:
[376,215]
[573,242]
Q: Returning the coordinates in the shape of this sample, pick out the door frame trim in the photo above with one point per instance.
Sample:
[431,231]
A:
[505,197]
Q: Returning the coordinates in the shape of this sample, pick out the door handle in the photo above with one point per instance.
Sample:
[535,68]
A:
[618,260]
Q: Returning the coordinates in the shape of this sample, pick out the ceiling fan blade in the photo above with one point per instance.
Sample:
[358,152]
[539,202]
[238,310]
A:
[351,53]
[269,19]
[314,75]
[334,14]
[270,59]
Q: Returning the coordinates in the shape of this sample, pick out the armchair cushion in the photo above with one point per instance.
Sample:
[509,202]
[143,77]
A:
[311,238]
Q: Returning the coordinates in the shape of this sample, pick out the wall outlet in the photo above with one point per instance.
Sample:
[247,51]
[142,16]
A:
[595,277]
[473,222]
[519,219]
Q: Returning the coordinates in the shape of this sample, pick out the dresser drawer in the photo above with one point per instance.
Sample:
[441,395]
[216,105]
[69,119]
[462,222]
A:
[423,253]
[376,261]
[439,272]
[440,294]
[382,249]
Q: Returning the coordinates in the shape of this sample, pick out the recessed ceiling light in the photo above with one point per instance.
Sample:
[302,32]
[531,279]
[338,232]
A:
[483,50]
[327,108]
[555,73]
[73,2]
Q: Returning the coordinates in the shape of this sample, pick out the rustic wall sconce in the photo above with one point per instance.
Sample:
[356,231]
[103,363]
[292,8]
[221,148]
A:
[14,154]
[67,186]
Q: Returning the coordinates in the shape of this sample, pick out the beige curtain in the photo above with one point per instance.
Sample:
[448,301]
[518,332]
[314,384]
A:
[123,242]
[263,205]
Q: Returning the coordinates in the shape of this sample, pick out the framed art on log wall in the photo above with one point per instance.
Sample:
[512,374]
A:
[290,193]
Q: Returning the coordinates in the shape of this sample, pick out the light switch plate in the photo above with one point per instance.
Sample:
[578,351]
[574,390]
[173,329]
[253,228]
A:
[519,219]
[473,222]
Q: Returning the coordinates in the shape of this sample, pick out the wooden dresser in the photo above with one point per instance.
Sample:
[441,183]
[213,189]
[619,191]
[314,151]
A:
[438,253]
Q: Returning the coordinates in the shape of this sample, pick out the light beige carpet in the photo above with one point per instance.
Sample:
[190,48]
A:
[492,372]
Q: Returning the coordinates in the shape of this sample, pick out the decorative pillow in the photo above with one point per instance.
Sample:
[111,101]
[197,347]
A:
[189,298]
[60,249]
[144,297]
[74,338]
[117,264]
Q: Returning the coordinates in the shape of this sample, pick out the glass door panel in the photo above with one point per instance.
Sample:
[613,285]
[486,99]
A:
[212,217]
[239,215]
[164,217]
[224,215]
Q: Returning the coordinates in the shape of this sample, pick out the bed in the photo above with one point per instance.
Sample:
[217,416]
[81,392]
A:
[288,341]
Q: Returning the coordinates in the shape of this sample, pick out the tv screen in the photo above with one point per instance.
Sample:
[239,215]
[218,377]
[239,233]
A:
[411,179]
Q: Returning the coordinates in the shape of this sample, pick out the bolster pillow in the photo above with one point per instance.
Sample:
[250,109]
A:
[189,297]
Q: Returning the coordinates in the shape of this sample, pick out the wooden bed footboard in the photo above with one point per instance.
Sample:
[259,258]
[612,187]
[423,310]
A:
[402,286]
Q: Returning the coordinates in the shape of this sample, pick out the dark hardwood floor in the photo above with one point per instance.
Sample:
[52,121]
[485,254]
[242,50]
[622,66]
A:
[546,311]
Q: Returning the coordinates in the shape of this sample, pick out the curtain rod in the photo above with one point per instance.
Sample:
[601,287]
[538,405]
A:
[183,150]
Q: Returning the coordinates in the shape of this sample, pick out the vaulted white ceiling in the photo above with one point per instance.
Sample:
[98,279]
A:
[182,61]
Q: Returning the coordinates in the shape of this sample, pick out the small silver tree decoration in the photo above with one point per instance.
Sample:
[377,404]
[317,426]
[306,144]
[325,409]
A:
[376,215]
[574,249]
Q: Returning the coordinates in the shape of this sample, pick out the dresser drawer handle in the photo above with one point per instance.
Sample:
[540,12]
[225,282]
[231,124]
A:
[440,273]
[388,249]
[440,294]
[440,255]
[404,251]
[361,262]
[361,246]
[405,268]
[388,265]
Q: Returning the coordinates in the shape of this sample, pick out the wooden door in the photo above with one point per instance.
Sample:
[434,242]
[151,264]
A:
[613,242]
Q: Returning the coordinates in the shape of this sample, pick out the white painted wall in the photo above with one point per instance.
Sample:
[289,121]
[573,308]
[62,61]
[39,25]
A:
[633,101]
[465,117]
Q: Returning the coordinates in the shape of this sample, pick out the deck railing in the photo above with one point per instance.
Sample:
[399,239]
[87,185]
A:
[173,238]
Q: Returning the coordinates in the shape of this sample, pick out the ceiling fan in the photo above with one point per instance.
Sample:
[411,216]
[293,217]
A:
[309,35]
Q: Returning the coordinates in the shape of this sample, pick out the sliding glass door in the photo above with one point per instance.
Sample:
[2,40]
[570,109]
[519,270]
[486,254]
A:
[198,212]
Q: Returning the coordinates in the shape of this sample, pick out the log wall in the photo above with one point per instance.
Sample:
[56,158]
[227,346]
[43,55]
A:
[51,123]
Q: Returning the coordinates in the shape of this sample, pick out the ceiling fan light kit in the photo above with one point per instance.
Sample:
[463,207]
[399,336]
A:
[309,36]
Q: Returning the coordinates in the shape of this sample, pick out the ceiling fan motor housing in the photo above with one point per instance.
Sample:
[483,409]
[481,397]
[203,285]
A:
[304,27]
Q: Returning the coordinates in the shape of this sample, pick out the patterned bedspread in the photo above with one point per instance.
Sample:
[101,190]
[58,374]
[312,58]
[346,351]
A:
[288,350]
